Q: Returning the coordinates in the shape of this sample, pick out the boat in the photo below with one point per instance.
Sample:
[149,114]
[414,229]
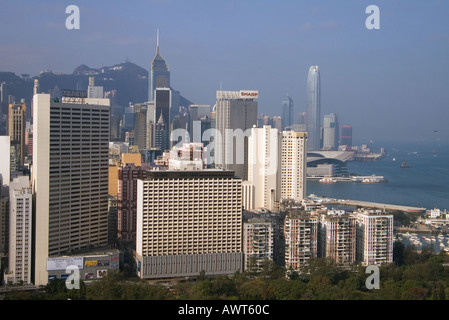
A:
[405,165]
[327,180]
[394,159]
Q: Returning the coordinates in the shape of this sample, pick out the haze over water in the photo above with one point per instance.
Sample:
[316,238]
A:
[425,184]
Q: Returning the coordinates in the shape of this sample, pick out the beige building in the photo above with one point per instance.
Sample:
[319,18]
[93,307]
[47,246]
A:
[16,130]
[188,222]
[20,230]
[374,237]
[337,237]
[293,165]
[69,176]
[258,243]
[264,169]
[301,239]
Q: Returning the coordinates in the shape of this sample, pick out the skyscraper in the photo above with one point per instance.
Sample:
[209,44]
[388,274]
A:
[69,176]
[313,109]
[293,165]
[20,227]
[159,74]
[330,132]
[16,130]
[287,112]
[236,114]
[346,137]
[264,167]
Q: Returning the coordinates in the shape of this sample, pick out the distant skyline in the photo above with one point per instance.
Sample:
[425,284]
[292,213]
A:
[390,83]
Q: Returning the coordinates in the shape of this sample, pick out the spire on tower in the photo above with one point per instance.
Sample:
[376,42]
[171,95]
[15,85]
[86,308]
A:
[157,41]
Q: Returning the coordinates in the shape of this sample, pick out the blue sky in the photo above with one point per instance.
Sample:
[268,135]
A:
[390,83]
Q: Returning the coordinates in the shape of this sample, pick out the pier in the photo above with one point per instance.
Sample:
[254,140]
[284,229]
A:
[373,205]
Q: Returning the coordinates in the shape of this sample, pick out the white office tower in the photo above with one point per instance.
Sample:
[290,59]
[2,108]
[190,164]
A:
[338,237]
[69,176]
[301,240]
[188,222]
[264,168]
[293,165]
[374,237]
[5,160]
[94,91]
[258,239]
[20,230]
[236,114]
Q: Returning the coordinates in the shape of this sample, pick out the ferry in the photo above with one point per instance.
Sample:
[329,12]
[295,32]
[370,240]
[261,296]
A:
[371,180]
[405,165]
[327,180]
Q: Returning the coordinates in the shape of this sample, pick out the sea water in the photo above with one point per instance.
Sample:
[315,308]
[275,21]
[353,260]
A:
[425,184]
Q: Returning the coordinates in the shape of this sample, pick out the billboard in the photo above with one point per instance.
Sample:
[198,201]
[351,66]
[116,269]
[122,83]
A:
[56,264]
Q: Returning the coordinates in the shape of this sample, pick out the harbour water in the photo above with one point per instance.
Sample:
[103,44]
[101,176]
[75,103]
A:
[424,184]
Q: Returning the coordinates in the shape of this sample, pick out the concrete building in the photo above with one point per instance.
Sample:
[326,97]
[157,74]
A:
[16,130]
[69,176]
[236,114]
[330,132]
[264,168]
[5,159]
[20,230]
[301,239]
[294,165]
[346,137]
[188,222]
[337,237]
[374,237]
[199,121]
[258,243]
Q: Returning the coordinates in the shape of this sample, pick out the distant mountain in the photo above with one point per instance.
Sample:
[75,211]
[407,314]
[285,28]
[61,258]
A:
[129,80]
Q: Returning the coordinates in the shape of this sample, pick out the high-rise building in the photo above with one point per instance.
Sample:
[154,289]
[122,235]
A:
[287,112]
[69,176]
[337,237]
[313,109]
[159,75]
[293,165]
[301,239]
[199,121]
[374,237]
[16,130]
[128,174]
[4,102]
[264,168]
[188,222]
[236,114]
[330,132]
[162,134]
[5,165]
[346,137]
[20,230]
[258,243]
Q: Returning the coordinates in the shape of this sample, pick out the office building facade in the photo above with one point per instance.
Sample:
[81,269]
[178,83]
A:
[236,114]
[188,222]
[69,176]
[330,132]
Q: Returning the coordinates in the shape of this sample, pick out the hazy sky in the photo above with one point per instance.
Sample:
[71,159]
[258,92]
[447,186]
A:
[387,83]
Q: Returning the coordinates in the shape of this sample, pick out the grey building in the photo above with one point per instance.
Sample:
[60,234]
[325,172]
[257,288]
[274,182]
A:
[313,109]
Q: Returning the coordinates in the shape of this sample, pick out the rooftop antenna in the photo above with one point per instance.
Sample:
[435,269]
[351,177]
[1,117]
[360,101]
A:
[157,41]
[221,85]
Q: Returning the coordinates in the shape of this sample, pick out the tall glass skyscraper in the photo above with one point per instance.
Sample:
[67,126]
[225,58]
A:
[313,109]
[159,74]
